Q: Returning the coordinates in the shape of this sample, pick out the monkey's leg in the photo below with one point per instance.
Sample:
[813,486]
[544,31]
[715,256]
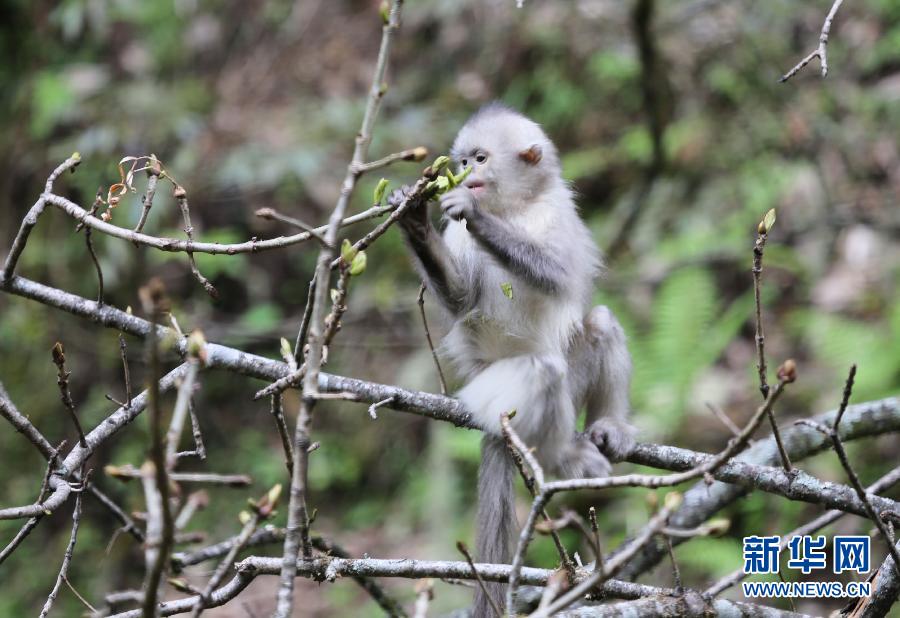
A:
[600,377]
[535,387]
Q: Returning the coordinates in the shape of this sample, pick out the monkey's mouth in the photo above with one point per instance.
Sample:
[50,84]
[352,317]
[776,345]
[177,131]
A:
[476,186]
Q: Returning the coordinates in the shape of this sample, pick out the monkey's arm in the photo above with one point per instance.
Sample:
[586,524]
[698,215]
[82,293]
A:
[437,266]
[523,256]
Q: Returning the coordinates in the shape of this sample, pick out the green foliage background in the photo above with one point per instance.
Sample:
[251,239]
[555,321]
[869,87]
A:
[253,104]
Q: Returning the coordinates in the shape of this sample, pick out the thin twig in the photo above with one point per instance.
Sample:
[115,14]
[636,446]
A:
[758,247]
[303,331]
[820,51]
[128,524]
[595,530]
[271,214]
[123,352]
[411,154]
[180,414]
[90,247]
[437,363]
[374,407]
[79,596]
[719,414]
[62,380]
[277,410]
[199,446]
[196,501]
[676,572]
[128,472]
[181,198]
[67,557]
[845,398]
[465,552]
[153,171]
[854,478]
[338,308]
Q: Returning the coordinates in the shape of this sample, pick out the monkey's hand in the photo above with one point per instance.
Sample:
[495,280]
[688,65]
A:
[415,220]
[614,438]
[458,204]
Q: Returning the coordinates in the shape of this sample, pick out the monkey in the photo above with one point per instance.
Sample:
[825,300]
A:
[513,272]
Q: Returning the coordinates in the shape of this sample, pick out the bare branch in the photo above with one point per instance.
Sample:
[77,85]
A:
[277,410]
[67,557]
[758,247]
[181,198]
[32,217]
[298,520]
[820,51]
[465,552]
[411,154]
[154,473]
[153,171]
[611,567]
[329,569]
[128,472]
[62,380]
[273,215]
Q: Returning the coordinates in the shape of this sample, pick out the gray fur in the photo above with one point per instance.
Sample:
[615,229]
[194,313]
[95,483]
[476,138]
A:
[496,515]
[514,225]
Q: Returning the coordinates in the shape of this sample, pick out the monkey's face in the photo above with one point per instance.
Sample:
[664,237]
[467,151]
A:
[512,160]
[481,180]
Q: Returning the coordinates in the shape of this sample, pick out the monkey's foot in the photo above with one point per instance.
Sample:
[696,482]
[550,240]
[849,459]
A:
[615,439]
[584,461]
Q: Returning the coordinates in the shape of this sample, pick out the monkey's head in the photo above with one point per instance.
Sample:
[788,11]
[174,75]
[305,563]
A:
[512,159]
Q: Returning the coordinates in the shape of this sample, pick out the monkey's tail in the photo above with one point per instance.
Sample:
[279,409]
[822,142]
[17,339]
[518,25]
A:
[496,517]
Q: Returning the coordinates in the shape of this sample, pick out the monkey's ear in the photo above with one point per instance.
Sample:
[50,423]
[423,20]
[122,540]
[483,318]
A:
[532,156]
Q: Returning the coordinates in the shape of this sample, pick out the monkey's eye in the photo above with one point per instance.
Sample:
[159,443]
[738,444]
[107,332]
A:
[481,158]
[465,162]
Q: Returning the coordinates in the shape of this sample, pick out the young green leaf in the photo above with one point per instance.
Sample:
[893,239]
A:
[767,223]
[380,190]
[507,290]
[358,265]
[348,252]
[455,180]
[440,163]
[286,350]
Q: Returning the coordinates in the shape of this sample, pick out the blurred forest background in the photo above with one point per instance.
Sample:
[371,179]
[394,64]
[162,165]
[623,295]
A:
[674,131]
